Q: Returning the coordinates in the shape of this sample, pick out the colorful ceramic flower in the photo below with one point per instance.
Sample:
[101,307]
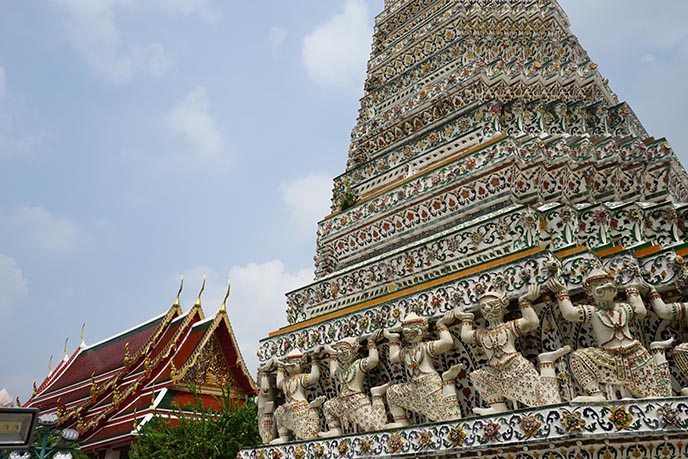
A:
[491,431]
[394,443]
[343,447]
[670,415]
[620,418]
[530,425]
[425,439]
[457,436]
[572,421]
[365,446]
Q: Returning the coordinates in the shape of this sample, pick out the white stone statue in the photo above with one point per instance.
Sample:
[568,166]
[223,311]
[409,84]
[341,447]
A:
[509,375]
[266,403]
[619,358]
[297,415]
[426,393]
[5,399]
[352,405]
[671,311]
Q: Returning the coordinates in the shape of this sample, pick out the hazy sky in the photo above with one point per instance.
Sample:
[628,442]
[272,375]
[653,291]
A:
[141,139]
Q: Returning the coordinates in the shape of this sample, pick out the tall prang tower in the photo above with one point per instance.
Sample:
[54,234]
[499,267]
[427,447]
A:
[490,154]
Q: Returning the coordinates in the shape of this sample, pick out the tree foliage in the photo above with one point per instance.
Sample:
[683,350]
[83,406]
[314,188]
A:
[200,433]
[347,199]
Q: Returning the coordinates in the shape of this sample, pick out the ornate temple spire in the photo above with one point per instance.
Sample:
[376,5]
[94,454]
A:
[223,307]
[176,305]
[66,355]
[197,304]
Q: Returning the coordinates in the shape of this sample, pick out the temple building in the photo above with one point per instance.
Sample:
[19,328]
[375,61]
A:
[107,390]
[503,269]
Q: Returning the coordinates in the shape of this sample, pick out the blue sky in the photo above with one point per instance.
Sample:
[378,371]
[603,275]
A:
[141,139]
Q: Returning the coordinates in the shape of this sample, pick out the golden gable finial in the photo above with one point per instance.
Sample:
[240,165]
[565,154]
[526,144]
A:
[179,292]
[223,308]
[83,334]
[198,299]
[65,348]
[50,365]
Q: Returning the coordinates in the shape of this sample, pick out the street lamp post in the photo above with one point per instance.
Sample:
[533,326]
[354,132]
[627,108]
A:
[17,426]
[49,442]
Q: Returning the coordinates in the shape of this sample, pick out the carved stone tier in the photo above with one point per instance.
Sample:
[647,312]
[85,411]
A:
[622,430]
[464,245]
[415,131]
[434,297]
[501,172]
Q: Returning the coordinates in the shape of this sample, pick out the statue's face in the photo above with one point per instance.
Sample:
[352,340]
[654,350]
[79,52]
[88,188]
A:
[293,366]
[491,309]
[603,291]
[345,354]
[415,332]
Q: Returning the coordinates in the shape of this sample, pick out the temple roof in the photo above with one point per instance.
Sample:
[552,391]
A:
[105,389]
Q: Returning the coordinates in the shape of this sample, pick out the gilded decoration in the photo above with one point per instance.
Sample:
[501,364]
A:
[210,368]
[457,436]
[620,418]
[572,421]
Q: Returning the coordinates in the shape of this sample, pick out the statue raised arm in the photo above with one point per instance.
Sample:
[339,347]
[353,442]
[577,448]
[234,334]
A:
[266,402]
[297,415]
[618,358]
[426,393]
[671,311]
[352,405]
[509,375]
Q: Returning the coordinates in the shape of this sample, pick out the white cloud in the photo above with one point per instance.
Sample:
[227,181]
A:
[152,58]
[641,22]
[13,144]
[335,53]
[644,53]
[308,201]
[43,230]
[276,38]
[192,120]
[13,285]
[257,304]
[96,34]
[10,142]
[203,8]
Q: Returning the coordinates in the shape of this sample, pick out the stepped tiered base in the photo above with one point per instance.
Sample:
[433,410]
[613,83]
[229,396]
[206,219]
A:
[647,428]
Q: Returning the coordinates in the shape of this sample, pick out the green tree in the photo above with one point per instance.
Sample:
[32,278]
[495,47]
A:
[200,433]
